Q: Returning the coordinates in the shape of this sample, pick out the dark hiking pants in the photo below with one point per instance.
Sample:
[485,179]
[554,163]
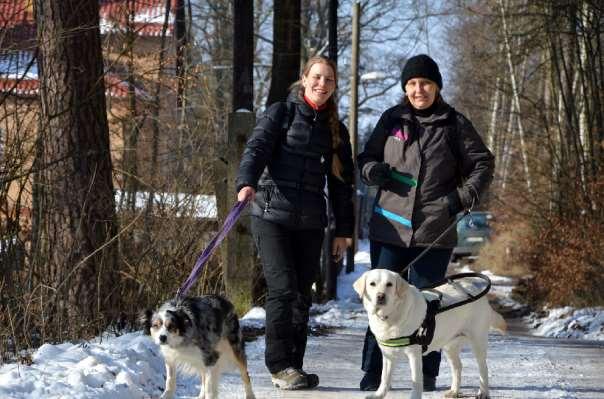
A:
[430,269]
[290,261]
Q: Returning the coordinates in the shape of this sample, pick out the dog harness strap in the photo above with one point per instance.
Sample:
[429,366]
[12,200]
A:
[397,342]
[423,335]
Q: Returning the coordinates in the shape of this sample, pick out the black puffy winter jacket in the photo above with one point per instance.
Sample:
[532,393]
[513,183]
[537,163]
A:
[427,155]
[287,160]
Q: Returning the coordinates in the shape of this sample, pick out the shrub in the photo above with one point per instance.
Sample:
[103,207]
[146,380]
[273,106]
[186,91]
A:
[565,259]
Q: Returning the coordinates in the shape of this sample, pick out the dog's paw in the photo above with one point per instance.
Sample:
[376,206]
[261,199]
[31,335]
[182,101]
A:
[451,394]
[481,395]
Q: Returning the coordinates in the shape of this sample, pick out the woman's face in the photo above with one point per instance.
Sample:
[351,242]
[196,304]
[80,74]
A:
[319,84]
[421,92]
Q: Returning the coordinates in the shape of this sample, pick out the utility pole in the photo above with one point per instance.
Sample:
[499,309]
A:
[352,124]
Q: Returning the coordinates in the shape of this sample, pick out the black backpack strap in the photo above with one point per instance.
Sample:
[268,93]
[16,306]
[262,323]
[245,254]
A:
[288,112]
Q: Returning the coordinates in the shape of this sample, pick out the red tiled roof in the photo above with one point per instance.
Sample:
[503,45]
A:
[15,12]
[148,15]
[24,88]
[117,9]
[114,87]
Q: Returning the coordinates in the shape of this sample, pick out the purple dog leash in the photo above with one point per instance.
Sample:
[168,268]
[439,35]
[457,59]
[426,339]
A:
[229,222]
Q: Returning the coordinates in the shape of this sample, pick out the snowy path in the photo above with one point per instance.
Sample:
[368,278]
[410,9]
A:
[519,367]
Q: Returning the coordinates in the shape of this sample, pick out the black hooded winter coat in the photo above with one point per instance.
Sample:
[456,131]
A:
[429,156]
[288,161]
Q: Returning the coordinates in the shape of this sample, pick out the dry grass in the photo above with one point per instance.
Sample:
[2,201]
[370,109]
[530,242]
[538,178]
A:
[501,255]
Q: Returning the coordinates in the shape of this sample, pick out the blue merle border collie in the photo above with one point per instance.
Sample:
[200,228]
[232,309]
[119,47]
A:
[198,335]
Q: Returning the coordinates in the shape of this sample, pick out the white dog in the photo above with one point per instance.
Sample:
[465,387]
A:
[397,309]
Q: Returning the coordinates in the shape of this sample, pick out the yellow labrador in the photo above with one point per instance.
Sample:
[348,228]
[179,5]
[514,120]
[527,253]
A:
[397,309]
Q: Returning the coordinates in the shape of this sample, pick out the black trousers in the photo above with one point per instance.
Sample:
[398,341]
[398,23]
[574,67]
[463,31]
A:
[430,269]
[290,262]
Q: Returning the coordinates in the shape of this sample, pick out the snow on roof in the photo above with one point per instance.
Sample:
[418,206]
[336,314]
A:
[19,76]
[148,16]
[18,65]
[141,29]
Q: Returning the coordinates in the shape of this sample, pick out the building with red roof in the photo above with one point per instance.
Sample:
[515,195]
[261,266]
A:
[132,32]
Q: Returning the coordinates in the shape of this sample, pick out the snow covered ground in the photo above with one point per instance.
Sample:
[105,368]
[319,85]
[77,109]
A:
[131,366]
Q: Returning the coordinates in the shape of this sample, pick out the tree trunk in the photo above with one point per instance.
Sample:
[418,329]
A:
[286,49]
[508,147]
[130,125]
[243,63]
[80,213]
[516,99]
[492,133]
[155,111]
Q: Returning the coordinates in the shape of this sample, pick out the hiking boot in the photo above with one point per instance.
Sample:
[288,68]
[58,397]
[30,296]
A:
[312,379]
[429,383]
[370,382]
[289,379]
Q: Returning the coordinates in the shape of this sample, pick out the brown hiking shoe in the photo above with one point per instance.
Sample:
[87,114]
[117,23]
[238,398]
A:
[289,379]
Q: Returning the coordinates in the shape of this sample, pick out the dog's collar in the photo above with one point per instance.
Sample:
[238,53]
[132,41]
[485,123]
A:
[398,342]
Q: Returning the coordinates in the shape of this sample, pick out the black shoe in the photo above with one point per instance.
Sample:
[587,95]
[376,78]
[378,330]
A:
[370,382]
[312,380]
[429,384]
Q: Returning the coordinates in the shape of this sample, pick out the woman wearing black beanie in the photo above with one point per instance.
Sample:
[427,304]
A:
[429,163]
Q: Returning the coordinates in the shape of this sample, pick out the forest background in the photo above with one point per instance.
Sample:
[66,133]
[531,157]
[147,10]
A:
[113,139]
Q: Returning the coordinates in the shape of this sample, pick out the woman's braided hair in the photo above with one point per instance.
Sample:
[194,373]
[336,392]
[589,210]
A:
[332,108]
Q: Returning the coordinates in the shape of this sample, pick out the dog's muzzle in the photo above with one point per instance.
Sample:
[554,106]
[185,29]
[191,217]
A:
[163,339]
[380,298]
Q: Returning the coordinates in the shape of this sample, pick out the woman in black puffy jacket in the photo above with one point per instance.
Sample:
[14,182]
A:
[418,154]
[297,149]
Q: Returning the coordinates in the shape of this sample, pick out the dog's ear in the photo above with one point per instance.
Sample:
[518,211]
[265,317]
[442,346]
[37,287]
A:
[359,285]
[401,286]
[144,320]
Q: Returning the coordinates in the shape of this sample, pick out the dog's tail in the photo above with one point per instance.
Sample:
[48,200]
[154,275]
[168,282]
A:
[498,322]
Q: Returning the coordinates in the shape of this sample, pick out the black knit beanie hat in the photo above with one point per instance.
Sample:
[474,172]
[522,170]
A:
[421,66]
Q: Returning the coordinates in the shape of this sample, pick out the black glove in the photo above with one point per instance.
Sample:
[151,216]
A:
[379,174]
[454,203]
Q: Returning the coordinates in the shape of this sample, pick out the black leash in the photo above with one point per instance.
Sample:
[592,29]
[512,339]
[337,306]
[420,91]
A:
[466,212]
